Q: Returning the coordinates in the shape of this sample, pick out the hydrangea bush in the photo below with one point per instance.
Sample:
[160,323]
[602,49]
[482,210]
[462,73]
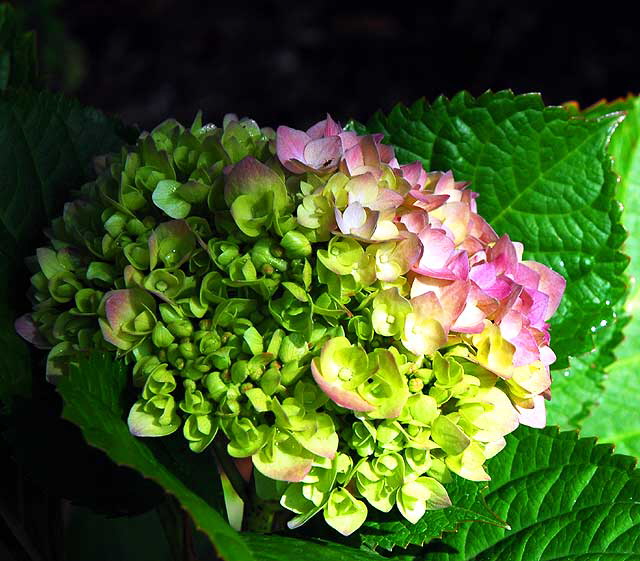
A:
[350,324]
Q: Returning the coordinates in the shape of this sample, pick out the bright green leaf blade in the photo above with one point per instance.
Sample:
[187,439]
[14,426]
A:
[564,498]
[616,419]
[544,178]
[92,394]
[625,142]
[612,421]
[577,391]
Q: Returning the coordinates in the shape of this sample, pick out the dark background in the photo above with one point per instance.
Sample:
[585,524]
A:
[286,62]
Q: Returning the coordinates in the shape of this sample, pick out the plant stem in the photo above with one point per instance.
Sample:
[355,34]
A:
[229,468]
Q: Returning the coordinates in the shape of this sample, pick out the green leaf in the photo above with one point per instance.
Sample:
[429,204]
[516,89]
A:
[576,391]
[18,61]
[611,421]
[92,396]
[355,126]
[544,179]
[564,498]
[47,143]
[280,548]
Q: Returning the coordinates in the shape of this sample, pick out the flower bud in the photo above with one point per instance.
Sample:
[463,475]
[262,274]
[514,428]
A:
[200,430]
[188,350]
[262,253]
[161,336]
[181,328]
[216,387]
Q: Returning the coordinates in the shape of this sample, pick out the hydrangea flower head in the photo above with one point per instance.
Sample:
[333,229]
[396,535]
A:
[350,325]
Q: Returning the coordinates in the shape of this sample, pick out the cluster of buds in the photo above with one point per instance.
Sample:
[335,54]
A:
[350,324]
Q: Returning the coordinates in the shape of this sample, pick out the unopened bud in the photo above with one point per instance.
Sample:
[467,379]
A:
[415,385]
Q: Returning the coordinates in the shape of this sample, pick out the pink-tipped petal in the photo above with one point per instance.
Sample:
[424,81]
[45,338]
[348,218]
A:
[437,249]
[326,127]
[536,417]
[551,283]
[118,307]
[415,175]
[480,229]
[292,470]
[323,154]
[503,255]
[526,276]
[28,330]
[415,221]
[290,144]
[387,199]
[427,305]
[343,397]
[427,201]
[387,155]
[453,299]
[370,152]
[547,356]
[349,139]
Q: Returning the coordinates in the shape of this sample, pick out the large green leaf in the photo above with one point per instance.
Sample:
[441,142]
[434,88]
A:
[93,395]
[18,63]
[612,421]
[47,144]
[544,179]
[564,498]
